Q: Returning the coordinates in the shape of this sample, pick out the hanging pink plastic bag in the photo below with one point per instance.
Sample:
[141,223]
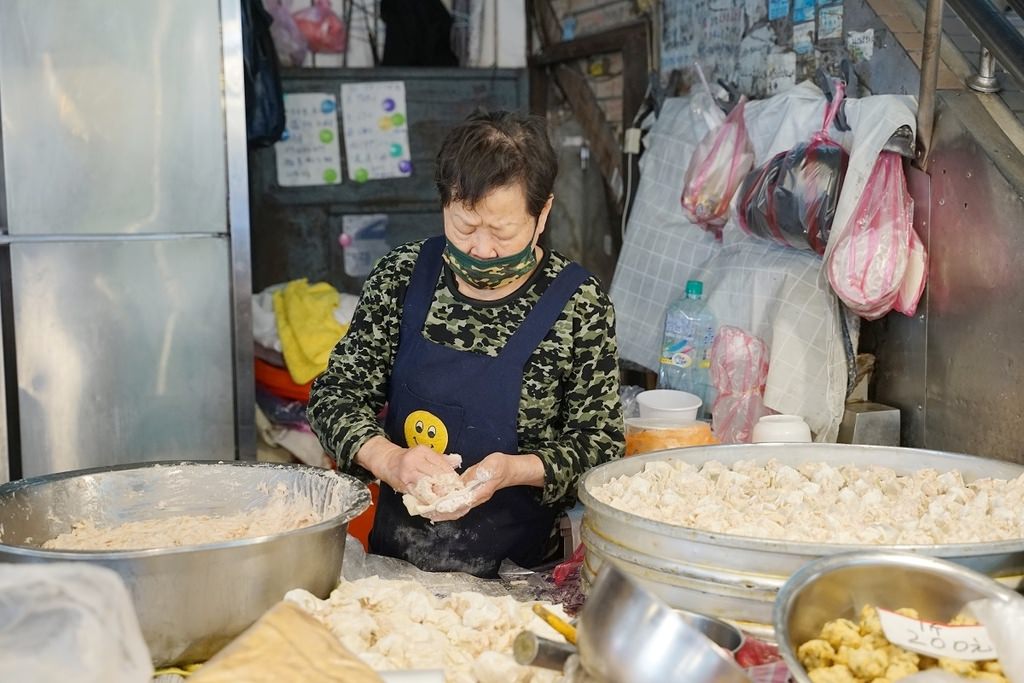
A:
[289,43]
[323,29]
[792,198]
[739,370]
[716,169]
[868,266]
[913,282]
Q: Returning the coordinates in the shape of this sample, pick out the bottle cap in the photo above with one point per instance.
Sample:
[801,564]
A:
[694,288]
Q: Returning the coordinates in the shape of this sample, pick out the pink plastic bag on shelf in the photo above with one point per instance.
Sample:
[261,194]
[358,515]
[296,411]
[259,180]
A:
[289,43]
[323,29]
[868,266]
[739,370]
[717,167]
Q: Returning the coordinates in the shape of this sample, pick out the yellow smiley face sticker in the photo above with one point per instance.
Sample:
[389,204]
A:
[425,429]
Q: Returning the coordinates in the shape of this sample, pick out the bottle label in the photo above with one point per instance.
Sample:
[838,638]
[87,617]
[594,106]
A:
[680,354]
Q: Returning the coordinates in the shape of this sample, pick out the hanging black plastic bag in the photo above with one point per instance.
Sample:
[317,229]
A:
[792,199]
[264,97]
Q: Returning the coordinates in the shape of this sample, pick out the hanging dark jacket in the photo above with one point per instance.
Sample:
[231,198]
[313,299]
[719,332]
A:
[418,33]
[264,96]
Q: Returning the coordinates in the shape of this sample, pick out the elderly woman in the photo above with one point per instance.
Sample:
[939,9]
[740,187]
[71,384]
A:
[484,345]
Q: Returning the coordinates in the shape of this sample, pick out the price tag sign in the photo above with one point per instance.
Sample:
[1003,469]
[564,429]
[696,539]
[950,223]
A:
[937,640]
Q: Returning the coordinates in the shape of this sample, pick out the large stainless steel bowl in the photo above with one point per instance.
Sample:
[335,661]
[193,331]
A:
[626,635]
[838,587]
[737,578]
[192,600]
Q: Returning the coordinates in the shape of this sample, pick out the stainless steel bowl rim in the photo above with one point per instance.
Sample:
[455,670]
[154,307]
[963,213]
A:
[360,503]
[798,547]
[825,565]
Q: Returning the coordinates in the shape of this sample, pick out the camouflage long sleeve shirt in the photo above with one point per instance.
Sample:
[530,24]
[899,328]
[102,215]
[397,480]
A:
[569,410]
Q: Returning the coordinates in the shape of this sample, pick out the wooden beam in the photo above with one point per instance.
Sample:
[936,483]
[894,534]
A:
[631,40]
[612,40]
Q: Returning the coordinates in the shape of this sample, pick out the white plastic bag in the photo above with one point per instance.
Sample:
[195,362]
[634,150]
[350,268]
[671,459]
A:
[1004,621]
[69,622]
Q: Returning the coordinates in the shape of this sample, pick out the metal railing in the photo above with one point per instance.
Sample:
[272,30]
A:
[1001,43]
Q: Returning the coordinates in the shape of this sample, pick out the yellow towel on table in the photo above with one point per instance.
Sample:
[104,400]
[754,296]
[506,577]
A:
[307,327]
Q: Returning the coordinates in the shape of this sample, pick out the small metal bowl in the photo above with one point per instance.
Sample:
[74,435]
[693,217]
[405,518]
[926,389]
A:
[838,587]
[627,635]
[721,633]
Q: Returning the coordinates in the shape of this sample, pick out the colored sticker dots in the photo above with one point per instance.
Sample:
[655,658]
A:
[285,135]
[397,119]
[385,123]
[327,106]
[326,136]
[405,166]
[388,104]
[330,175]
[362,175]
[396,149]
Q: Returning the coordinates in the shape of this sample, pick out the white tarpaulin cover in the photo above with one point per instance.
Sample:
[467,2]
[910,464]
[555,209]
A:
[780,295]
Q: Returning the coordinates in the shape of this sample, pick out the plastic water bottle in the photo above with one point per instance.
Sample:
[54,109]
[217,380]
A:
[686,347]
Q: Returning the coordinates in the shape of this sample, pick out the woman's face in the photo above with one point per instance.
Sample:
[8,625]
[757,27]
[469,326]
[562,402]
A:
[499,225]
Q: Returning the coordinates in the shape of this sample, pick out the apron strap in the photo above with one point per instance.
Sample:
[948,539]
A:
[530,334]
[422,284]
[545,313]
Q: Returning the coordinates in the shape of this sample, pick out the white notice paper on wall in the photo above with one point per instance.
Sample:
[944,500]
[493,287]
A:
[308,152]
[376,130]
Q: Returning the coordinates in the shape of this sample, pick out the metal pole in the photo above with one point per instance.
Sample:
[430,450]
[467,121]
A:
[929,80]
[985,80]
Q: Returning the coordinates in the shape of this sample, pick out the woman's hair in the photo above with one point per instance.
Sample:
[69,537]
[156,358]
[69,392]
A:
[490,150]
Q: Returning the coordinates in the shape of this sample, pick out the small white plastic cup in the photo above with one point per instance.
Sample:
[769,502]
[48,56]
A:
[668,404]
[781,429]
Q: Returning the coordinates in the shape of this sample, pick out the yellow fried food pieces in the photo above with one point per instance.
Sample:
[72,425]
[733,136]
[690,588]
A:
[848,652]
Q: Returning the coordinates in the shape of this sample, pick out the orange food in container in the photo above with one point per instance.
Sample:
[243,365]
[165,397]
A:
[645,435]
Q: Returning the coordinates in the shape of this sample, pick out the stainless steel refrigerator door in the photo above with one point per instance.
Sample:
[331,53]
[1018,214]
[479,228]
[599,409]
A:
[113,116]
[123,352]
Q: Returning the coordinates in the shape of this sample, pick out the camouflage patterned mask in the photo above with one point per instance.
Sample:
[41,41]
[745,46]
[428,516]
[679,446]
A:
[489,273]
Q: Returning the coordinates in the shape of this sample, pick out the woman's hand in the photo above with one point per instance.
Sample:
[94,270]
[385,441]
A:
[400,468]
[494,472]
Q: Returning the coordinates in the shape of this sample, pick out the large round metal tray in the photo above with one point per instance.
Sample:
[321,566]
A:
[737,578]
[190,600]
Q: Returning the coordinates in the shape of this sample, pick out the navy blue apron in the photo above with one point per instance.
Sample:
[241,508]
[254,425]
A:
[474,398]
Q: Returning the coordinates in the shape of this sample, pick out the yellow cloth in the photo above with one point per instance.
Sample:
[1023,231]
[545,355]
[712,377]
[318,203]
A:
[183,671]
[307,327]
[285,646]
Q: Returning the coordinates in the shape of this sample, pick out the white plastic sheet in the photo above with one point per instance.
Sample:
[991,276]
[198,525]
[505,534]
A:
[69,622]
[1004,620]
[779,295]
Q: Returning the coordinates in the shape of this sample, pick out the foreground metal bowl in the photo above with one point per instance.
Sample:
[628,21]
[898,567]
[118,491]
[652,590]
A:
[721,633]
[193,600]
[839,586]
[627,635]
[737,578]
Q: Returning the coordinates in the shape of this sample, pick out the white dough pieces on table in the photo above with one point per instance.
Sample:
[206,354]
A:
[395,625]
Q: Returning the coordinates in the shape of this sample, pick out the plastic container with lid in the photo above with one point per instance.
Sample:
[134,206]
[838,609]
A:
[645,435]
